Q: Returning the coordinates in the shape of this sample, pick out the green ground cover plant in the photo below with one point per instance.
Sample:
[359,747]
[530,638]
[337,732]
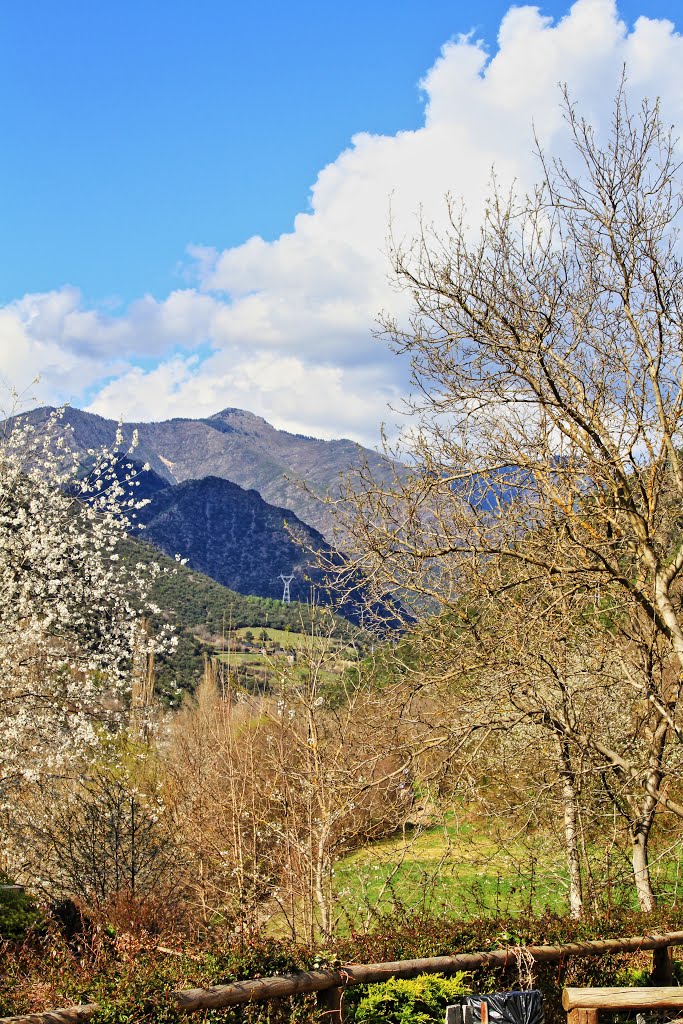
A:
[456,867]
[19,913]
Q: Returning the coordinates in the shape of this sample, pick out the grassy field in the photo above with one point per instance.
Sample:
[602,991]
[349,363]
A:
[246,658]
[288,639]
[271,667]
[452,868]
[457,868]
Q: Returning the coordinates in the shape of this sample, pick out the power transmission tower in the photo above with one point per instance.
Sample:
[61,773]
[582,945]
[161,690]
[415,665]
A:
[286,598]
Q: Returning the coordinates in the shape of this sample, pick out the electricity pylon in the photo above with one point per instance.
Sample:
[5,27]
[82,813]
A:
[286,598]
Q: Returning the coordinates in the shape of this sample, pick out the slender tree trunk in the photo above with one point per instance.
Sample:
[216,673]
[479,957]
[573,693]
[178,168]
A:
[643,813]
[641,827]
[571,830]
[641,869]
[320,872]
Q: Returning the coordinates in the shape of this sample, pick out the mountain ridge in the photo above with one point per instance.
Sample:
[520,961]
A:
[290,471]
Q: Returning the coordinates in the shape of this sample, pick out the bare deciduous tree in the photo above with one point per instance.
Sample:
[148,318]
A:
[101,839]
[268,792]
[540,506]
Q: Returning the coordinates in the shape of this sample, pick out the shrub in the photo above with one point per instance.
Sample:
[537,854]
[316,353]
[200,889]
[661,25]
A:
[130,975]
[410,1001]
[18,912]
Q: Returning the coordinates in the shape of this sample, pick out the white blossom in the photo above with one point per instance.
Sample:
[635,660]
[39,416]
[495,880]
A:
[70,612]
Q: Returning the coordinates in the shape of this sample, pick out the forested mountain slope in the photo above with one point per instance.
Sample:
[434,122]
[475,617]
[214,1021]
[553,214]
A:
[232,535]
[197,606]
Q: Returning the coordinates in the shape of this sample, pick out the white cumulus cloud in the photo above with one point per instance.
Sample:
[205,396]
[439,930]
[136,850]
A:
[283,327]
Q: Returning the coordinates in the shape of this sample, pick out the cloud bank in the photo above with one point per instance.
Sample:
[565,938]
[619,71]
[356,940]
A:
[283,327]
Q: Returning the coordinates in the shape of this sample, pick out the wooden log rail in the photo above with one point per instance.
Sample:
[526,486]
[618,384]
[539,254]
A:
[331,983]
[583,1005]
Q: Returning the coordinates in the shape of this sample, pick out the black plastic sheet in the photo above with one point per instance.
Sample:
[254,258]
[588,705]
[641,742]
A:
[507,1007]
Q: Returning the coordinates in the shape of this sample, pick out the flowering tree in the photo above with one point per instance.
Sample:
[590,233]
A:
[70,616]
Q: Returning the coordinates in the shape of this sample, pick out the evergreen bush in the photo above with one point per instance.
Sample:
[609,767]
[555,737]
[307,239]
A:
[418,1000]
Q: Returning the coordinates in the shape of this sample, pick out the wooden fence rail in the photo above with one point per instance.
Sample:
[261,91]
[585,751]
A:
[330,984]
[583,1005]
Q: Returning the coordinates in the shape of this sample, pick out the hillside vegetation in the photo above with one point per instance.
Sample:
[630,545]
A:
[205,615]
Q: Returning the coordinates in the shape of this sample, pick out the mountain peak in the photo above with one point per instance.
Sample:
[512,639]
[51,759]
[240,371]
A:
[231,534]
[242,421]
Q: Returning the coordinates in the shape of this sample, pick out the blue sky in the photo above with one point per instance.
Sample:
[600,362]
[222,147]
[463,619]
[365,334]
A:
[133,128]
[132,131]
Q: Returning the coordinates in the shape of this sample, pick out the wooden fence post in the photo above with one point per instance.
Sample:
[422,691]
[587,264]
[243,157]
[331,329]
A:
[331,1005]
[662,966]
[582,1016]
[458,1014]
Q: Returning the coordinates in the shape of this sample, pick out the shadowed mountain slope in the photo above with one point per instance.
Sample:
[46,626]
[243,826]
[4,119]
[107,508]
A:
[231,535]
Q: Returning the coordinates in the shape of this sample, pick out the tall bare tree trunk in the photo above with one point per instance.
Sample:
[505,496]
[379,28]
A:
[571,830]
[643,811]
[640,829]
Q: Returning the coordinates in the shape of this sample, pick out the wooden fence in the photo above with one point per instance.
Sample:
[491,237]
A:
[330,984]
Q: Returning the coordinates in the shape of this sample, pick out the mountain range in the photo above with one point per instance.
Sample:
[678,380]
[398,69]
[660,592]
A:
[238,446]
[233,536]
[239,499]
